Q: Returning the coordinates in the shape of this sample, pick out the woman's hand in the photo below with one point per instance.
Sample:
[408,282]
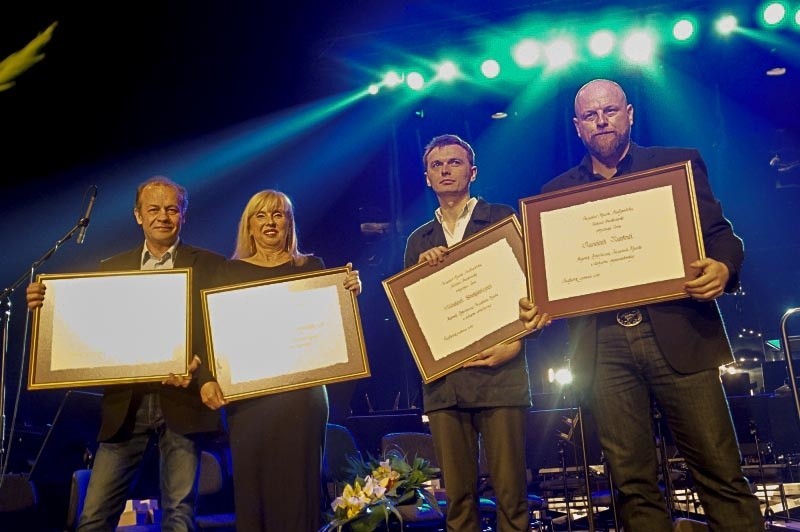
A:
[352,281]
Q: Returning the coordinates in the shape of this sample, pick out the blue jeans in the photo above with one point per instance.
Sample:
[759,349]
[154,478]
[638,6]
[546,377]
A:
[116,465]
[630,370]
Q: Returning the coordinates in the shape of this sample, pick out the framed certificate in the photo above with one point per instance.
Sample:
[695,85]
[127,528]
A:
[283,334]
[618,243]
[452,311]
[111,328]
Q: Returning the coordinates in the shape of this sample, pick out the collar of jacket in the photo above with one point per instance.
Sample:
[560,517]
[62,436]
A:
[481,213]
[624,166]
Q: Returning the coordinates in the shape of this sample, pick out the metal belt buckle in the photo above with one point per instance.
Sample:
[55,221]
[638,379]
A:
[629,318]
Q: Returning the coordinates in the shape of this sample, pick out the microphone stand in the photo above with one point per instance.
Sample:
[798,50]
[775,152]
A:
[754,432]
[586,472]
[662,451]
[5,316]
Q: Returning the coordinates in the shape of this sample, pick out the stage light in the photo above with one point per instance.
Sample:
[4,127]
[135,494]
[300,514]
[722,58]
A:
[490,68]
[638,47]
[447,71]
[601,43]
[683,29]
[773,13]
[559,53]
[415,80]
[563,376]
[526,53]
[797,17]
[726,25]
[373,89]
[392,79]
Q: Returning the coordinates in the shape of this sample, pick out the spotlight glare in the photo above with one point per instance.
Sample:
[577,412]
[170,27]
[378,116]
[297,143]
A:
[683,29]
[638,47]
[559,53]
[392,79]
[373,89]
[726,24]
[601,43]
[490,68]
[415,80]
[773,13]
[563,376]
[447,71]
[797,17]
[526,53]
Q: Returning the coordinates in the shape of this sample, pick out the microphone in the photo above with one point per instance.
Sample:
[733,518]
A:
[84,221]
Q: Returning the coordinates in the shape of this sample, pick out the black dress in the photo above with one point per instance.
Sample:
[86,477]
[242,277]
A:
[276,440]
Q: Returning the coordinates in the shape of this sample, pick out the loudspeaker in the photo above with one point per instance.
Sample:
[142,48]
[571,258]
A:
[17,494]
[736,383]
[774,419]
[785,425]
[776,374]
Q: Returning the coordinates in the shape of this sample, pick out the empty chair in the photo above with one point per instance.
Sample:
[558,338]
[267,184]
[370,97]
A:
[212,481]
[339,446]
[215,496]
[410,445]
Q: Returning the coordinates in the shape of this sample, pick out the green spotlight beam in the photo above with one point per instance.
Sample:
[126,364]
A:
[233,149]
[771,39]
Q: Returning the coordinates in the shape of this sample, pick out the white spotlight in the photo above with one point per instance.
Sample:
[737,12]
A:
[490,68]
[727,24]
[392,79]
[639,47]
[563,376]
[601,43]
[447,71]
[526,53]
[559,53]
[415,80]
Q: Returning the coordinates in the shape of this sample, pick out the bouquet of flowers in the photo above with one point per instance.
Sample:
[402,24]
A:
[378,488]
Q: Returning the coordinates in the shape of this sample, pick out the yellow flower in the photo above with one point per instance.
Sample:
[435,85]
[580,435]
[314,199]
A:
[351,502]
[373,489]
[385,474]
[378,487]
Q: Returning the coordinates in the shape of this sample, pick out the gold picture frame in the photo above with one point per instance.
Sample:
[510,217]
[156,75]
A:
[613,244]
[310,315]
[445,330]
[111,328]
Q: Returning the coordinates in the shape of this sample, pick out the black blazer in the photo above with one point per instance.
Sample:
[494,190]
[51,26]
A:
[506,385]
[689,333]
[184,412]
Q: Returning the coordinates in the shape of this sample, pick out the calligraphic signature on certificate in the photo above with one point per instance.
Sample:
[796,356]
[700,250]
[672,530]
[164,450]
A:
[454,305]
[306,334]
[611,243]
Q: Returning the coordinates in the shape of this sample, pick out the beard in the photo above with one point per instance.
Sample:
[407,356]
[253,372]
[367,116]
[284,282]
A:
[608,147]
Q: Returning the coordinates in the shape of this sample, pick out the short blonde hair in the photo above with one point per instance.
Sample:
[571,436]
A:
[267,201]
